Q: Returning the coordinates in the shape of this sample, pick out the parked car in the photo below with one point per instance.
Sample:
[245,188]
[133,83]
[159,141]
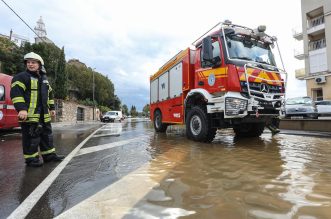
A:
[112,116]
[323,107]
[300,107]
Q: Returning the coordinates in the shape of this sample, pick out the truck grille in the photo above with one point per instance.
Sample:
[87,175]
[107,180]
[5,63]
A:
[255,89]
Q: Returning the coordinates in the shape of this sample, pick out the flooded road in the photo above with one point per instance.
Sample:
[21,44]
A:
[282,176]
[16,180]
[128,171]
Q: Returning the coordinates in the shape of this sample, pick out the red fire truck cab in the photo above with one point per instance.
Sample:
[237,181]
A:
[228,80]
[8,114]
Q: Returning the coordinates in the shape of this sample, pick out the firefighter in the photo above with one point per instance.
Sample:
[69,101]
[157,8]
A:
[33,100]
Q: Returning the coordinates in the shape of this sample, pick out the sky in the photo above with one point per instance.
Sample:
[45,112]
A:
[129,40]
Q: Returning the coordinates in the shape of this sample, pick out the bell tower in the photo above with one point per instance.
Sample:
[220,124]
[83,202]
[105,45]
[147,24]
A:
[40,30]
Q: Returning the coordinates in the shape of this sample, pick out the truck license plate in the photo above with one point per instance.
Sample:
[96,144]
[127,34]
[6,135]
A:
[296,117]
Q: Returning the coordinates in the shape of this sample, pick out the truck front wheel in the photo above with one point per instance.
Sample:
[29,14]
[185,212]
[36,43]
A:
[249,129]
[198,126]
[158,125]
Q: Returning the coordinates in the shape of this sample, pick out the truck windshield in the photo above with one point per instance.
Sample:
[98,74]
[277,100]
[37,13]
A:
[244,48]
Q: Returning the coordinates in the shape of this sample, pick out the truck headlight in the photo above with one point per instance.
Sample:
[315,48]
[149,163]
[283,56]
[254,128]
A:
[234,106]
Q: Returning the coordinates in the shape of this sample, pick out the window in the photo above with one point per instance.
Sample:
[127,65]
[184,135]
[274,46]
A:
[2,93]
[216,53]
[317,94]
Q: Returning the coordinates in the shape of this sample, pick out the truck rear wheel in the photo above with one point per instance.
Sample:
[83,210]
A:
[198,126]
[249,129]
[158,125]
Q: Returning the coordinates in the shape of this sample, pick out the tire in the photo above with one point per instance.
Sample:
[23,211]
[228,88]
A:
[198,125]
[158,125]
[249,129]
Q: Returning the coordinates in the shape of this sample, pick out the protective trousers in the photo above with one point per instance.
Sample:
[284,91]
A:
[36,135]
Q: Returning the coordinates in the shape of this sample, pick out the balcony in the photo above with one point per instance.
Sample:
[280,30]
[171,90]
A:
[300,73]
[316,26]
[299,54]
[297,33]
[317,44]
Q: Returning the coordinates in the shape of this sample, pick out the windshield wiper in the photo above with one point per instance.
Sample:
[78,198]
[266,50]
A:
[242,57]
[273,68]
[261,61]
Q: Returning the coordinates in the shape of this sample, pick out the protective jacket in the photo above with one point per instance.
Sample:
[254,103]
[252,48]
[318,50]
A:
[33,93]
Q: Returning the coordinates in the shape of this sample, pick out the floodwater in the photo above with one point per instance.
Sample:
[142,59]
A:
[142,174]
[281,176]
[16,180]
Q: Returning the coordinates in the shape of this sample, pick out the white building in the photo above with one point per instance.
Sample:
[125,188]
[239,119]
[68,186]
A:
[316,53]
[19,40]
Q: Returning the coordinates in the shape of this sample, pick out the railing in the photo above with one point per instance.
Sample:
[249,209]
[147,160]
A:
[318,44]
[297,33]
[299,54]
[316,21]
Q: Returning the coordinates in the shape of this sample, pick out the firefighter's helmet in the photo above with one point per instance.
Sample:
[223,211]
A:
[35,56]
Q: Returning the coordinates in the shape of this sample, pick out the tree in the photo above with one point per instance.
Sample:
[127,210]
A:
[80,81]
[115,103]
[11,57]
[61,78]
[73,76]
[146,110]
[125,110]
[133,111]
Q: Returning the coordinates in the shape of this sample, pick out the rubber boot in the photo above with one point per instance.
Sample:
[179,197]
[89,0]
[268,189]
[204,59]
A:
[273,129]
[34,163]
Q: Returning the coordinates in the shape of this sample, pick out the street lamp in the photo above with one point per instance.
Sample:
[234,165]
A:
[93,91]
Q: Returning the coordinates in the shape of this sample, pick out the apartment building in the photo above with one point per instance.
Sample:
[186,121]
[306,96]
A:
[316,54]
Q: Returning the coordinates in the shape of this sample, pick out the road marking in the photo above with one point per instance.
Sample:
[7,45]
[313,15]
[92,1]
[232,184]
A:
[105,135]
[130,194]
[107,146]
[23,209]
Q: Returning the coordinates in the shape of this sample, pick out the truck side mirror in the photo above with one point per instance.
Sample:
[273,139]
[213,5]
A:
[207,49]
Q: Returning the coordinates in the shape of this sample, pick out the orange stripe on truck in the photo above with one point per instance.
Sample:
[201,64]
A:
[259,76]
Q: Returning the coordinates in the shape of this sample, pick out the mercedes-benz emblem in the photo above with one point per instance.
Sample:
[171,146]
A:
[264,88]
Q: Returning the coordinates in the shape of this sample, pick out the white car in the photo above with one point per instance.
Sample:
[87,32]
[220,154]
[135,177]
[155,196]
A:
[300,107]
[323,107]
[112,116]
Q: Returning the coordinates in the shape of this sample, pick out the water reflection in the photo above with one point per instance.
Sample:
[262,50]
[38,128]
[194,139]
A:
[268,177]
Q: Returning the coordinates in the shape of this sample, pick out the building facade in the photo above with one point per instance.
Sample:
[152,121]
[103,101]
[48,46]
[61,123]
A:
[316,54]
[15,38]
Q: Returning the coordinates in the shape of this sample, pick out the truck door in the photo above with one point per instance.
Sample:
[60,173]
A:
[211,74]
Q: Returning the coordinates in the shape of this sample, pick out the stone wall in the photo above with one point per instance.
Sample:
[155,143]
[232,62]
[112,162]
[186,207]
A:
[67,111]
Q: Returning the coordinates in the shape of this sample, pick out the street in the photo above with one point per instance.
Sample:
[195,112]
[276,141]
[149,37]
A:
[126,170]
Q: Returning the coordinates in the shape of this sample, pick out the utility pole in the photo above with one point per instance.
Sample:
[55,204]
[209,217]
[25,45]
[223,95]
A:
[93,92]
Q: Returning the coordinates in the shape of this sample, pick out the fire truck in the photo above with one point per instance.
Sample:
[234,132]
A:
[227,79]
[8,114]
